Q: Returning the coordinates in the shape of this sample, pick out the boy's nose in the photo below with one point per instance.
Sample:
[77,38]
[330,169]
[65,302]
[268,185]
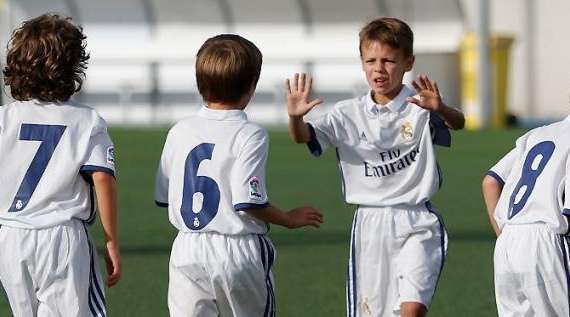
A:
[379,67]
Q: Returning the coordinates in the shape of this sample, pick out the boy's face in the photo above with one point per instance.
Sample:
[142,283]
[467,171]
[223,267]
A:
[384,67]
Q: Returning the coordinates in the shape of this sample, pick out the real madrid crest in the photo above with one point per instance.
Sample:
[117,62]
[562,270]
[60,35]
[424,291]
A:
[407,131]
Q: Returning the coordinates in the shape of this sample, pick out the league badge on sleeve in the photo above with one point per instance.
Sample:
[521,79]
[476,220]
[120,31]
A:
[406,131]
[254,189]
[111,155]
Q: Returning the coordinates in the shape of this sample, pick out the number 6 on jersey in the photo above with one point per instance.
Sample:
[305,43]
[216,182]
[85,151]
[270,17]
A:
[201,194]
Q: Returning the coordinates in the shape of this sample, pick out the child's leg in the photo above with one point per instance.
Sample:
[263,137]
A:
[63,271]
[244,285]
[220,275]
[15,270]
[510,299]
[538,259]
[69,282]
[420,259]
[189,288]
[371,283]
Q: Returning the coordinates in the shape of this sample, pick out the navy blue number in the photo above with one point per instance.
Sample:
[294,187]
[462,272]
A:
[530,174]
[49,136]
[209,191]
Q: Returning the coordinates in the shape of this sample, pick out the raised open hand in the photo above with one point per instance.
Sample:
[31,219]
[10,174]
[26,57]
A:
[428,96]
[298,94]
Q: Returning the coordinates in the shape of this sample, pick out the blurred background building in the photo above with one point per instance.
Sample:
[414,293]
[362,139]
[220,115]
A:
[142,51]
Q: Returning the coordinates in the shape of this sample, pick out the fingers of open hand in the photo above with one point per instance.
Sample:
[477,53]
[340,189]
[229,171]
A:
[416,85]
[426,82]
[315,102]
[295,82]
[288,87]
[301,83]
[436,88]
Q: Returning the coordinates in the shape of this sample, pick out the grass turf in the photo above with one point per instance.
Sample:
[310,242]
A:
[311,263]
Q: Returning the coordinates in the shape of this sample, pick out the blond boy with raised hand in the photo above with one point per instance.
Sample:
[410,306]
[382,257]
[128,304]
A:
[212,179]
[385,147]
[53,152]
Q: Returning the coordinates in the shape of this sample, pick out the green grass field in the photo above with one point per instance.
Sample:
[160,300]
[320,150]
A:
[311,263]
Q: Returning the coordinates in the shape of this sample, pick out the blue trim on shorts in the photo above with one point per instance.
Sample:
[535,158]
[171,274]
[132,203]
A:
[267,259]
[563,243]
[94,289]
[351,278]
[442,241]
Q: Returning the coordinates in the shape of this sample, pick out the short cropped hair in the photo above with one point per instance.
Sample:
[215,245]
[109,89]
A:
[391,31]
[227,68]
[46,59]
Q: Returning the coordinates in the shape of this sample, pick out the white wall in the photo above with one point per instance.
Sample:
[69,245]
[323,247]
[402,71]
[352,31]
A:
[539,81]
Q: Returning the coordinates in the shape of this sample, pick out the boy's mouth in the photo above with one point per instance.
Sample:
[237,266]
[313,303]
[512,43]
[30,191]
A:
[380,81]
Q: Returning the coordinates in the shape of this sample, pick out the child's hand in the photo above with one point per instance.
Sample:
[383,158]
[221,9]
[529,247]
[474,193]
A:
[304,216]
[297,95]
[113,261]
[428,93]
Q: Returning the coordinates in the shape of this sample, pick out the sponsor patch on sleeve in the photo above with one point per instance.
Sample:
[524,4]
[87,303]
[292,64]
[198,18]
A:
[254,189]
[111,155]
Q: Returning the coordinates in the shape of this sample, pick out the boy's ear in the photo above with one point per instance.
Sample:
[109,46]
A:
[410,63]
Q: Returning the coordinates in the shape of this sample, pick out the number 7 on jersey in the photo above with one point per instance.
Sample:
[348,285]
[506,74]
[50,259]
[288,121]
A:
[49,136]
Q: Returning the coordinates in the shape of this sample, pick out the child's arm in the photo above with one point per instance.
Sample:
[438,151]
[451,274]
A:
[106,190]
[298,106]
[294,218]
[429,98]
[491,192]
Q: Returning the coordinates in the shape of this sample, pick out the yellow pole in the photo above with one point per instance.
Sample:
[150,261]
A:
[500,46]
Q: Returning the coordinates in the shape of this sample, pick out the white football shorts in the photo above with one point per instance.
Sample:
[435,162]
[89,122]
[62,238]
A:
[396,255]
[531,272]
[214,275]
[51,272]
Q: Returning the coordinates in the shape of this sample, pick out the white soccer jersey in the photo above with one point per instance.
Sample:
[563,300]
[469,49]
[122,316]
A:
[212,168]
[536,186]
[45,149]
[385,153]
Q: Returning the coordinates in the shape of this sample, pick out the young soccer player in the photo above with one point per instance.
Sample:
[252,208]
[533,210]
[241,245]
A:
[212,179]
[526,194]
[385,146]
[53,152]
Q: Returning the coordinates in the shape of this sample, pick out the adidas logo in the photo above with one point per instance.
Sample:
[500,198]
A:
[363,137]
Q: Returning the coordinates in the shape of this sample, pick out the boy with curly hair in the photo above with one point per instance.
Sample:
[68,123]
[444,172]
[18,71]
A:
[54,152]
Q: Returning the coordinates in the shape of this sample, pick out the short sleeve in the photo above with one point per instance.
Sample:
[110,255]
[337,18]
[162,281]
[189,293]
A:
[248,175]
[439,131]
[100,156]
[162,179]
[323,133]
[501,170]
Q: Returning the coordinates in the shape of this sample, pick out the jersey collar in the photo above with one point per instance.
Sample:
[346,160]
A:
[393,106]
[222,115]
